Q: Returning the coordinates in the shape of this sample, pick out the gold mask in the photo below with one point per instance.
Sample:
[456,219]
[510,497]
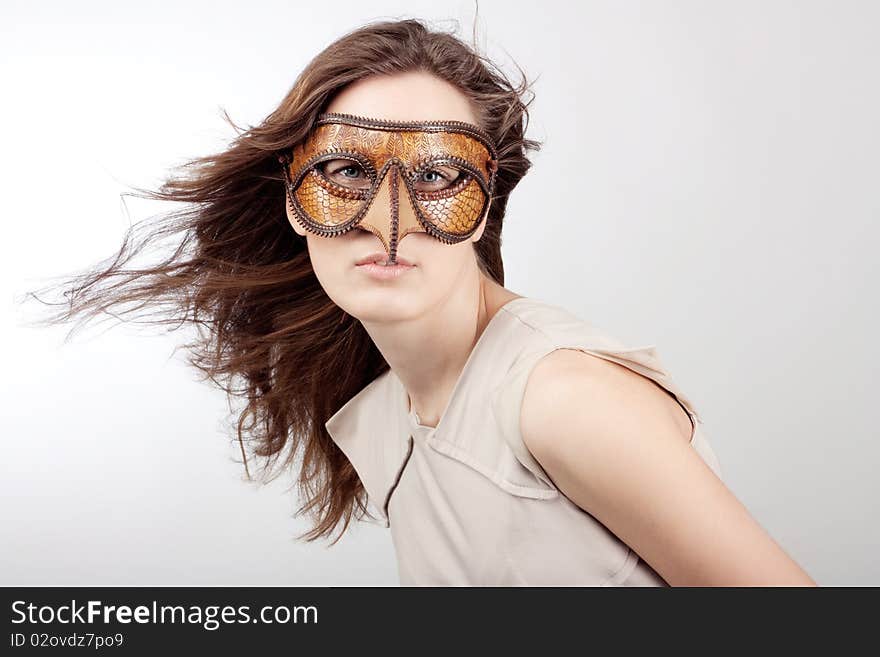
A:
[384,152]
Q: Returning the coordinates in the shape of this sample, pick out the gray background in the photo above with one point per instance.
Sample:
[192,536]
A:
[724,162]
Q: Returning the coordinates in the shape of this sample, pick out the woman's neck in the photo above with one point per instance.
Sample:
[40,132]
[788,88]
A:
[428,353]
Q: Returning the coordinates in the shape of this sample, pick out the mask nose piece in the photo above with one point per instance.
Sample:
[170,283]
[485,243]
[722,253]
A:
[393,172]
[384,218]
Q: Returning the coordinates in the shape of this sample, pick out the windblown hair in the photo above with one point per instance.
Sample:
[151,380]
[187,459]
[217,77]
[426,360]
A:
[239,273]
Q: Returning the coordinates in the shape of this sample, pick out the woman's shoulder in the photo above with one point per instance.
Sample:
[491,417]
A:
[540,324]
[597,391]
[561,341]
[539,328]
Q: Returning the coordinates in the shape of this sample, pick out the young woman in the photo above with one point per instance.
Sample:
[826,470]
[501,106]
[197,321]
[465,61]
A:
[344,259]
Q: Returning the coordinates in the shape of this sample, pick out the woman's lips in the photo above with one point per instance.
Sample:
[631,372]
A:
[385,272]
[381,256]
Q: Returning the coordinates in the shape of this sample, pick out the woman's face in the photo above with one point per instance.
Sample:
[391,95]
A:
[438,268]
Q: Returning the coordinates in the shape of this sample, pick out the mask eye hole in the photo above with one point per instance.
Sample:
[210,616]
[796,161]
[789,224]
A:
[437,178]
[345,173]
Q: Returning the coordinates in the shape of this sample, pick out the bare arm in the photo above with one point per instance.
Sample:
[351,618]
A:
[617,445]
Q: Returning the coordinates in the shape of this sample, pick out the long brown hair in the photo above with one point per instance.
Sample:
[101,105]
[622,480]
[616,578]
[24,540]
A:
[241,275]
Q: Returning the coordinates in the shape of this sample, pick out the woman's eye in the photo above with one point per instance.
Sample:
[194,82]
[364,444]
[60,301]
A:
[345,173]
[434,179]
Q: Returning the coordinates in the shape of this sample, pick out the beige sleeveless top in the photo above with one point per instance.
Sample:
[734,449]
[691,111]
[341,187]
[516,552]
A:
[466,502]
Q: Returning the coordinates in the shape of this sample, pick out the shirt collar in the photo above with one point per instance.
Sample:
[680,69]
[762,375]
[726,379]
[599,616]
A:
[375,426]
[369,431]
[383,404]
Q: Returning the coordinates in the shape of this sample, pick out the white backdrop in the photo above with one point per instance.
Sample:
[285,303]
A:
[725,157]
